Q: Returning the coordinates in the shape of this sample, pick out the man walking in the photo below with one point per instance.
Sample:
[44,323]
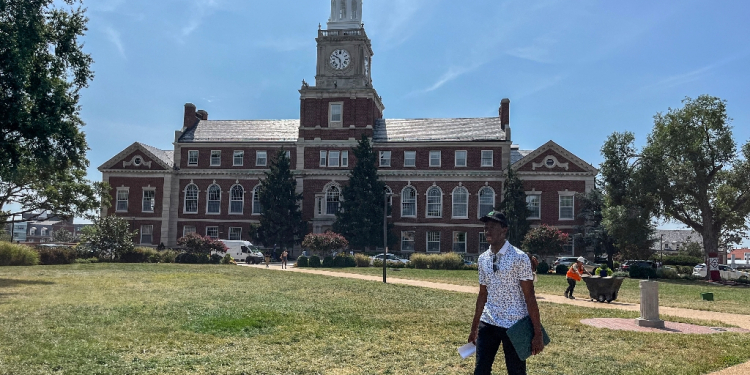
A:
[506,295]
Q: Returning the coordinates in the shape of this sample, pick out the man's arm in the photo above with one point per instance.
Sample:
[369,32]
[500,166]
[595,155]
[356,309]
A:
[481,300]
[537,343]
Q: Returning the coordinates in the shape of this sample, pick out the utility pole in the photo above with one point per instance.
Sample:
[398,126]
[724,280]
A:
[385,232]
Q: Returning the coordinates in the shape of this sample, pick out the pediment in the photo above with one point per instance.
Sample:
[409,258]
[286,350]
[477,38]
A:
[136,157]
[553,158]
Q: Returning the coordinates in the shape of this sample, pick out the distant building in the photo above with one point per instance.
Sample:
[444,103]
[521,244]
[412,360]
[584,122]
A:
[739,257]
[39,227]
[670,241]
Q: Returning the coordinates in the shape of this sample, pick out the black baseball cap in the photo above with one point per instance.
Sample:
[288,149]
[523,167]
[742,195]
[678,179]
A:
[495,216]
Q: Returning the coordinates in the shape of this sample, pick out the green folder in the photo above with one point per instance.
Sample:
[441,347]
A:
[520,335]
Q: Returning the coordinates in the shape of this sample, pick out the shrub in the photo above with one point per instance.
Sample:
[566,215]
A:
[361,260]
[303,261]
[666,273]
[620,274]
[86,261]
[377,263]
[166,256]
[215,259]
[542,268]
[690,277]
[328,261]
[561,269]
[684,270]
[138,255]
[471,267]
[344,260]
[227,259]
[616,265]
[598,270]
[56,255]
[682,260]
[743,280]
[637,272]
[420,261]
[195,243]
[314,261]
[452,261]
[17,255]
[434,262]
[324,242]
[545,240]
[192,258]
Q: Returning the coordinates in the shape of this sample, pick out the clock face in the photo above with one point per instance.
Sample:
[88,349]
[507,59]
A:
[340,59]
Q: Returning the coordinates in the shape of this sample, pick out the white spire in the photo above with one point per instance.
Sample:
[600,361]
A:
[345,14]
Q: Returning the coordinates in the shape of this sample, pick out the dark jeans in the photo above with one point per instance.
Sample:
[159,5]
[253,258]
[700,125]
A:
[488,342]
[571,286]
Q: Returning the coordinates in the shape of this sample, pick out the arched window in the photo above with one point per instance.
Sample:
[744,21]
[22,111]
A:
[486,200]
[460,202]
[434,202]
[257,207]
[32,231]
[236,199]
[342,14]
[214,200]
[191,199]
[44,231]
[354,9]
[333,200]
[408,202]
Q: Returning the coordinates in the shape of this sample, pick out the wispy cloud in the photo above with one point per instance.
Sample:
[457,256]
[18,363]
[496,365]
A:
[691,76]
[537,51]
[114,37]
[452,73]
[541,85]
[200,9]
[395,20]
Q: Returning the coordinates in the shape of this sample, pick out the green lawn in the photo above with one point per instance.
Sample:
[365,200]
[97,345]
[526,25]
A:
[181,319]
[672,293]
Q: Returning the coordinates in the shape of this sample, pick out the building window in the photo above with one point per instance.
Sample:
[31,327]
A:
[486,158]
[149,200]
[410,158]
[32,231]
[486,200]
[235,233]
[122,200]
[236,199]
[569,248]
[335,117]
[459,242]
[433,242]
[344,158]
[333,200]
[385,158]
[257,208]
[460,203]
[566,207]
[434,158]
[533,202]
[191,199]
[213,205]
[44,232]
[193,158]
[434,202]
[407,241]
[239,158]
[323,158]
[483,245]
[408,202]
[460,158]
[212,232]
[187,229]
[215,158]
[261,158]
[333,158]
[147,234]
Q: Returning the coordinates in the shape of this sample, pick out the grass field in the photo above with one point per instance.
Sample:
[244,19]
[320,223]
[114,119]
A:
[180,319]
[672,293]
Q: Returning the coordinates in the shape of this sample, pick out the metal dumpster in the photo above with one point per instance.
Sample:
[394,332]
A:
[603,289]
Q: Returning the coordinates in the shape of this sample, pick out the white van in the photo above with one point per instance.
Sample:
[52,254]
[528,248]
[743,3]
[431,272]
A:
[243,251]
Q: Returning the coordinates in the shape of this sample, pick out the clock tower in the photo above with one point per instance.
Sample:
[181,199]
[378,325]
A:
[342,104]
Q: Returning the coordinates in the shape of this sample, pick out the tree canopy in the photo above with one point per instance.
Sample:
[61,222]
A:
[545,240]
[593,234]
[515,207]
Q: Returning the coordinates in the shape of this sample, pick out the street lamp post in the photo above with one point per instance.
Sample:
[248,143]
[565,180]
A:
[385,232]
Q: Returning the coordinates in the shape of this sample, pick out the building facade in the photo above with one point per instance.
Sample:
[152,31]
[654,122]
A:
[444,173]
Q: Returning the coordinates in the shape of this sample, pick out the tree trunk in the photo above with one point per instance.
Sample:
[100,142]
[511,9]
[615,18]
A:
[711,247]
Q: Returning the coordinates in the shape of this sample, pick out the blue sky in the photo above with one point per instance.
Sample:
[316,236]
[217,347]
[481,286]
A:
[575,71]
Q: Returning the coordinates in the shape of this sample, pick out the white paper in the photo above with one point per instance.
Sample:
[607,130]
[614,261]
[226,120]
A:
[467,350]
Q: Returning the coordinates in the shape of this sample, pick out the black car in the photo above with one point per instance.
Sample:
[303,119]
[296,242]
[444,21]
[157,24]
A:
[639,263]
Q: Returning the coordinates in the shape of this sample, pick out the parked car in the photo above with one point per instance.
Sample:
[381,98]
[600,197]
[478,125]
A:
[726,272]
[568,261]
[625,266]
[390,258]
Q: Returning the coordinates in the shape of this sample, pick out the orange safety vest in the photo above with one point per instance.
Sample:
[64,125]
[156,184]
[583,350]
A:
[572,274]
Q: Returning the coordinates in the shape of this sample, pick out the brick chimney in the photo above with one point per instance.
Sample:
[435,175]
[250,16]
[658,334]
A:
[191,117]
[203,115]
[504,113]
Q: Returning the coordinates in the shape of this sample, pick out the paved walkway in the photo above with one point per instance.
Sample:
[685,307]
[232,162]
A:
[742,321]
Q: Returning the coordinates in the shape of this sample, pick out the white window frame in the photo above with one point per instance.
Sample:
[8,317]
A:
[257,207]
[331,122]
[406,240]
[215,156]
[427,206]
[456,159]
[338,196]
[189,162]
[439,158]
[384,159]
[209,200]
[185,231]
[210,228]
[261,158]
[413,159]
[479,200]
[143,233]
[403,201]
[127,198]
[238,154]
[345,159]
[153,200]
[456,242]
[184,203]
[529,196]
[333,158]
[233,231]
[232,199]
[427,240]
[465,204]
[323,158]
[490,157]
[566,195]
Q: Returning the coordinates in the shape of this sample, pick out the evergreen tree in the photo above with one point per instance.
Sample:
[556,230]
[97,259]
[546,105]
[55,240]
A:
[515,208]
[280,219]
[360,219]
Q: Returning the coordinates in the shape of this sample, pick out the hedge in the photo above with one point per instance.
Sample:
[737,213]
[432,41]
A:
[17,255]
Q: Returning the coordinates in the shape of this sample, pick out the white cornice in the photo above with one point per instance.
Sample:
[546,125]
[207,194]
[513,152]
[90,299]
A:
[551,145]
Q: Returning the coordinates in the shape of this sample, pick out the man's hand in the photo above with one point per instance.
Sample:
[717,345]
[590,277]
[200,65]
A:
[537,344]
[473,336]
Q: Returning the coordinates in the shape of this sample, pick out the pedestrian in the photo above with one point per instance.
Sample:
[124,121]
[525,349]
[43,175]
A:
[284,256]
[534,264]
[574,274]
[506,295]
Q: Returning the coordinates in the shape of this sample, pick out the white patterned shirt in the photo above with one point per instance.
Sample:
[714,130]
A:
[505,301]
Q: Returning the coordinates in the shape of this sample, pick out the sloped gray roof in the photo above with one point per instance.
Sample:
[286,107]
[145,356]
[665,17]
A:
[440,129]
[516,155]
[243,130]
[166,156]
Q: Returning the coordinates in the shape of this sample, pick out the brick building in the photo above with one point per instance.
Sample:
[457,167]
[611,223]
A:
[444,173]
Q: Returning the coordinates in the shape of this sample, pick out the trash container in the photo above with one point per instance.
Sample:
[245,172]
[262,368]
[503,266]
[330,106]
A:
[603,289]
[707,296]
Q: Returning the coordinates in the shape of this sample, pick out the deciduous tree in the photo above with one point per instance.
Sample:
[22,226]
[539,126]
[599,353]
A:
[108,238]
[515,207]
[545,240]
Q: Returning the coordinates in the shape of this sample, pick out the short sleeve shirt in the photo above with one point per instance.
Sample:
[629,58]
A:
[505,301]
